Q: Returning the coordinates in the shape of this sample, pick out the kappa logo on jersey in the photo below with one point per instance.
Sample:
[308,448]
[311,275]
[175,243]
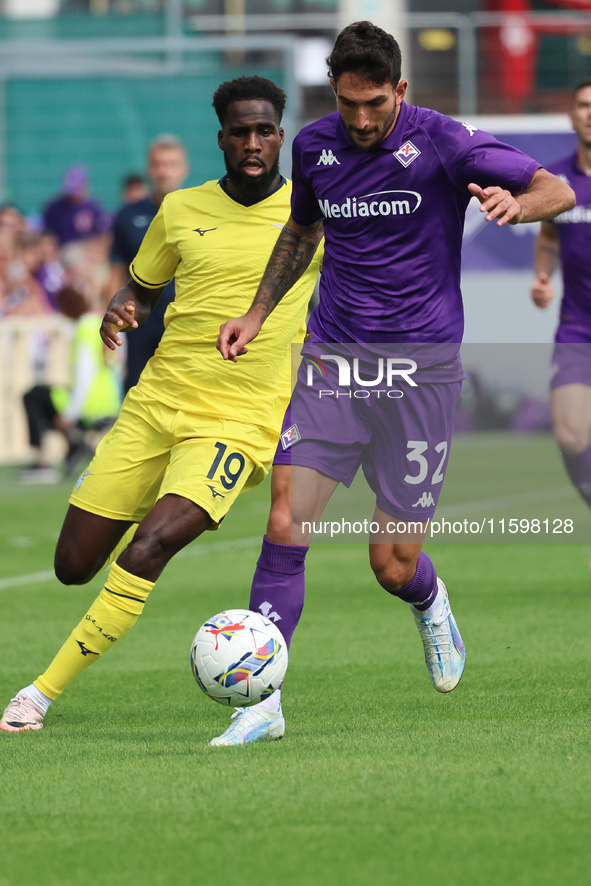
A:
[327,158]
[214,492]
[202,232]
[471,129]
[84,649]
[290,436]
[265,608]
[425,501]
[407,153]
[82,478]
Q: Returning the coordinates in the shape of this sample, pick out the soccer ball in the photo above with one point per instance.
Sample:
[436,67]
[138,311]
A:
[239,657]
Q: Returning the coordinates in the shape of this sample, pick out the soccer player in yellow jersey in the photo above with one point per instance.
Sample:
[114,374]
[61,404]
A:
[195,432]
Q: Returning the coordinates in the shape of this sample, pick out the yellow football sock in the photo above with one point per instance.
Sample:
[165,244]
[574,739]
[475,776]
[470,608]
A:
[113,614]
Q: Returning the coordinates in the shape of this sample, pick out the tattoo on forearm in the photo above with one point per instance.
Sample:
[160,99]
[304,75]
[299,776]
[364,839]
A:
[551,250]
[290,258]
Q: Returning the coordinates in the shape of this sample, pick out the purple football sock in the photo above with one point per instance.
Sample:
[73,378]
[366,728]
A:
[422,588]
[279,585]
[579,470]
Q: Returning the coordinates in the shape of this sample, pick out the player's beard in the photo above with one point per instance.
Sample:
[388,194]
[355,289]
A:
[379,134]
[255,188]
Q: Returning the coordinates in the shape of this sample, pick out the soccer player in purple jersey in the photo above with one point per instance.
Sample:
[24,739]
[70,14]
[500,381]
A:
[389,184]
[566,241]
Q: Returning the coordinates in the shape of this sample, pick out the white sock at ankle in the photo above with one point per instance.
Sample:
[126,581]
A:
[37,697]
[273,703]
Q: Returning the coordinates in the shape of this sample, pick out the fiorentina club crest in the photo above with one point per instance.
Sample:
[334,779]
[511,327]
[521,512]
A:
[407,153]
[290,436]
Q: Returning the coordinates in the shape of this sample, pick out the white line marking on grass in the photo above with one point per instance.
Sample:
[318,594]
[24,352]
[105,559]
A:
[220,547]
[506,501]
[33,577]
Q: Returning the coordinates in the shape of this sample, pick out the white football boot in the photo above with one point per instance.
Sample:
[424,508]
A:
[21,715]
[252,724]
[445,653]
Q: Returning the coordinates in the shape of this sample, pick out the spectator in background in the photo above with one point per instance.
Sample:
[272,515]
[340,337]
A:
[90,403]
[86,265]
[167,170]
[73,215]
[134,188]
[50,272]
[21,295]
[12,223]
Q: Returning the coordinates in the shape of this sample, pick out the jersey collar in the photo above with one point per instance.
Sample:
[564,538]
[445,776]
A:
[222,184]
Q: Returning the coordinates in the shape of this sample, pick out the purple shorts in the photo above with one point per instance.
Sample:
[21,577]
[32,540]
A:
[571,364]
[400,436]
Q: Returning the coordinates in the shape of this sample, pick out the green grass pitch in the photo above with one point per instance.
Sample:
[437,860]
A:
[379,780]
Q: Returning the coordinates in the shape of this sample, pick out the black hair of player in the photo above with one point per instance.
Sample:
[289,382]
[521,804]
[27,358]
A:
[244,89]
[366,50]
[582,85]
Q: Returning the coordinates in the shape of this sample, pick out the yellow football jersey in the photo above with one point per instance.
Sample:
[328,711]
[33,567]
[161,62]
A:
[217,250]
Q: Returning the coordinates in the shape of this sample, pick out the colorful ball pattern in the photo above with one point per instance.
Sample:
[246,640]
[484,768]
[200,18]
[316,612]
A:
[239,657]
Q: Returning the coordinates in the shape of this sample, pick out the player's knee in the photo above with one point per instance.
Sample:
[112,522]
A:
[72,567]
[392,573]
[571,440]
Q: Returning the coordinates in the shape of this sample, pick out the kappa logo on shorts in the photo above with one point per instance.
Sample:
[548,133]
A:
[82,478]
[214,492]
[407,153]
[425,501]
[290,436]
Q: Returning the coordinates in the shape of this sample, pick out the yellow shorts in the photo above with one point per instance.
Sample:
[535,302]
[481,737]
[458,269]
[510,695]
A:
[153,450]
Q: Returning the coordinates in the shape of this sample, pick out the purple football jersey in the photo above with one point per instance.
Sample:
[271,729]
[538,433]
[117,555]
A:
[71,221]
[393,222]
[574,234]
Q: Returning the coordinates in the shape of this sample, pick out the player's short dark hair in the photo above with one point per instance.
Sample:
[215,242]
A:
[364,49]
[582,85]
[248,89]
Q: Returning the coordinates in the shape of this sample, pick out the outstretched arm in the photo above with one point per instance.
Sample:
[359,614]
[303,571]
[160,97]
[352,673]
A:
[545,197]
[546,260]
[128,309]
[291,256]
